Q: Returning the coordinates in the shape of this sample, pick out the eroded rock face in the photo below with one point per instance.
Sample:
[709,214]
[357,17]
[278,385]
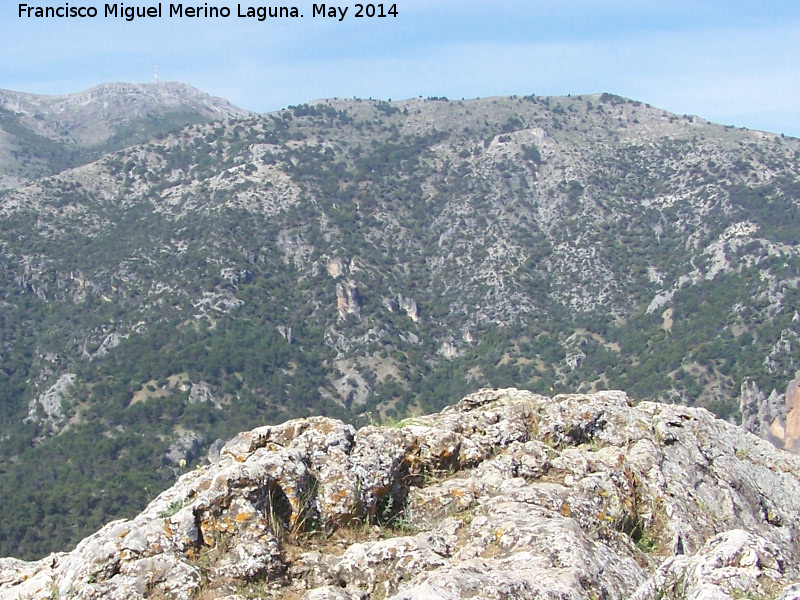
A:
[348,300]
[505,495]
[761,414]
[792,433]
[775,417]
[49,402]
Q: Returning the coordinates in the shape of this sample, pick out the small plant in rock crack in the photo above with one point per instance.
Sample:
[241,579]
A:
[647,544]
[307,520]
[282,519]
[173,508]
[254,590]
[393,518]
[215,546]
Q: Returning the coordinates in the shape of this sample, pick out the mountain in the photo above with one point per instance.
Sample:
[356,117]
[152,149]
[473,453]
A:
[42,135]
[369,260]
[507,494]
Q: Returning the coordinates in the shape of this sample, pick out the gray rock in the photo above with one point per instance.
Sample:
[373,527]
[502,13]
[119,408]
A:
[507,494]
[214,450]
[201,393]
[763,415]
[329,592]
[792,592]
[734,564]
[50,401]
[348,299]
[185,448]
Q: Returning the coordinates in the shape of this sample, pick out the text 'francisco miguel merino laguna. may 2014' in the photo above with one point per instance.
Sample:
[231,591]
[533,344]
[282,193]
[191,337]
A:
[180,10]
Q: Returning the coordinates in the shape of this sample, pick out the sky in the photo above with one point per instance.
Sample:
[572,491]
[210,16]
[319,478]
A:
[735,62]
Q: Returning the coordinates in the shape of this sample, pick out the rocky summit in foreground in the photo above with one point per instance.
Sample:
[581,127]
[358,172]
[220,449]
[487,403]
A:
[507,494]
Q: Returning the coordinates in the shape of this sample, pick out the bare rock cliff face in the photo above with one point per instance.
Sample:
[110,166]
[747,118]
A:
[775,417]
[792,431]
[505,495]
[764,415]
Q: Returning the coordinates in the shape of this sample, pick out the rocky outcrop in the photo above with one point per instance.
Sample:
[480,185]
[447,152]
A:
[775,417]
[185,448]
[348,300]
[763,415]
[334,266]
[46,409]
[791,440]
[507,494]
[409,305]
[200,393]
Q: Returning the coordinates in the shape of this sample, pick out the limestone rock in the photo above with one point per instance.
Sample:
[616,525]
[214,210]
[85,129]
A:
[201,393]
[49,402]
[348,300]
[286,332]
[733,564]
[507,494]
[334,267]
[792,433]
[449,350]
[409,305]
[236,276]
[111,341]
[185,448]
[214,450]
[763,415]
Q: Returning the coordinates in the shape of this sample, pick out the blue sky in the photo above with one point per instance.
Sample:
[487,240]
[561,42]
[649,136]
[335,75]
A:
[734,62]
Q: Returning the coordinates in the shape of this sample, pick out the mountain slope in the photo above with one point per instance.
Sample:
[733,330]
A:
[366,260]
[42,135]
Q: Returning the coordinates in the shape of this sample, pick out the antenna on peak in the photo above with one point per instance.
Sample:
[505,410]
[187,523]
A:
[155,77]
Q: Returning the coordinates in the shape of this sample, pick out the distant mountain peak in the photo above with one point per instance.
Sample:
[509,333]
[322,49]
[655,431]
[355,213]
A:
[80,127]
[91,116]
